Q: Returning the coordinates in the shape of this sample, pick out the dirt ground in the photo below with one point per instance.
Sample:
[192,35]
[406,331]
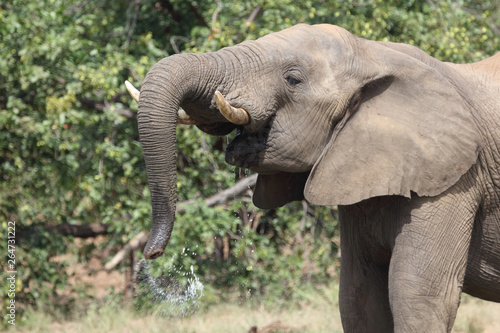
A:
[91,276]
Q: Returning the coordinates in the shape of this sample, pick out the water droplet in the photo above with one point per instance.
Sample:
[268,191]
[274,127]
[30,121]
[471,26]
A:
[168,296]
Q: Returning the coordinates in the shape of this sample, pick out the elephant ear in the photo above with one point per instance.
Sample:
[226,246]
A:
[278,189]
[411,132]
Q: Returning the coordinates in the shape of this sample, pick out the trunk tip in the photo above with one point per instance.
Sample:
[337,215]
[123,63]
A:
[153,254]
[158,239]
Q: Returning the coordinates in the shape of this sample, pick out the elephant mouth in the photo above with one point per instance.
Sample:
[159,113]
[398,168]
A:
[217,129]
[247,149]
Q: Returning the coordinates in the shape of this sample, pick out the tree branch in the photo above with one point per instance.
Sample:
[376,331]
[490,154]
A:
[80,231]
[198,15]
[226,195]
[252,16]
[237,189]
[214,15]
[138,241]
[174,45]
[137,5]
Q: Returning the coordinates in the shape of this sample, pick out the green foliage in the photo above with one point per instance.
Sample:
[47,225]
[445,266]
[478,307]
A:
[66,156]
[69,155]
[450,30]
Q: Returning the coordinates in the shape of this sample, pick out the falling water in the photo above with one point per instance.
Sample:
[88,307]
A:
[175,293]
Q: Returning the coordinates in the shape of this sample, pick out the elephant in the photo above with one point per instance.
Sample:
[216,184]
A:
[405,145]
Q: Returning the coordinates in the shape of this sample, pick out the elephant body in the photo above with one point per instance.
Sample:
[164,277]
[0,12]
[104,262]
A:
[405,145]
[412,258]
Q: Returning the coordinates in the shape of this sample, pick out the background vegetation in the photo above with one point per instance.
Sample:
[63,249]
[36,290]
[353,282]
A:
[69,149]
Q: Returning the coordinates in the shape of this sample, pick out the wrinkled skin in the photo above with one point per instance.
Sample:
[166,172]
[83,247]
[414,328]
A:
[406,146]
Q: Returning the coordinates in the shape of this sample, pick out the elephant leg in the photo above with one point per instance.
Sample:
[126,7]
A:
[483,264]
[363,295]
[428,262]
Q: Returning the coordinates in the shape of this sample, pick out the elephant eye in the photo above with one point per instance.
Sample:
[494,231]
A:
[292,80]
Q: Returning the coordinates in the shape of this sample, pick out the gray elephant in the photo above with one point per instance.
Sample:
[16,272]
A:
[405,145]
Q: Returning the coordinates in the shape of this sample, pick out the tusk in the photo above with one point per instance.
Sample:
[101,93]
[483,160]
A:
[182,116]
[184,119]
[237,116]
[132,91]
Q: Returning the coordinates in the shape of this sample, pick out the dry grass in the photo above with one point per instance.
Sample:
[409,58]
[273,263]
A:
[318,314]
[221,318]
[475,315]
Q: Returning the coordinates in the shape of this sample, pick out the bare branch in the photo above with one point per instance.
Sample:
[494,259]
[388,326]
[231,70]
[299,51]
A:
[80,231]
[252,16]
[226,195]
[198,15]
[215,13]
[137,5]
[137,242]
[174,45]
[237,189]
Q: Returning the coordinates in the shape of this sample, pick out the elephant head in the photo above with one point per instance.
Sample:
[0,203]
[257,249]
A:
[319,114]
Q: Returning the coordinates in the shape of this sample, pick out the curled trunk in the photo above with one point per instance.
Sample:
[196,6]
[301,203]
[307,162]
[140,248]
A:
[171,82]
[189,81]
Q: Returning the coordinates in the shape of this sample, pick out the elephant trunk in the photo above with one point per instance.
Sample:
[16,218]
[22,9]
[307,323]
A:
[170,82]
